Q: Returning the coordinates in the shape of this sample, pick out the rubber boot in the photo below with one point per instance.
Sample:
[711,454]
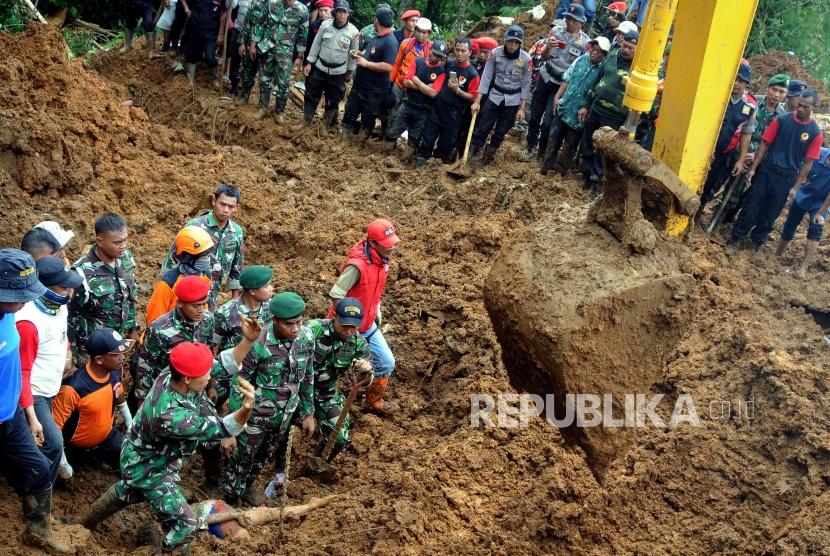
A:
[388,146]
[151,45]
[308,116]
[191,74]
[106,505]
[264,100]
[128,40]
[488,156]
[347,134]
[212,467]
[330,118]
[37,513]
[217,79]
[374,397]
[251,497]
[279,110]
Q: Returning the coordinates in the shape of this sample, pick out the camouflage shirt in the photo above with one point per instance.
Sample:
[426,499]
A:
[282,372]
[254,13]
[168,427]
[282,27]
[227,328]
[108,301]
[226,258]
[164,334]
[333,356]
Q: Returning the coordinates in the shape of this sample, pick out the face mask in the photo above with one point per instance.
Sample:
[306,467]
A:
[56,298]
[202,265]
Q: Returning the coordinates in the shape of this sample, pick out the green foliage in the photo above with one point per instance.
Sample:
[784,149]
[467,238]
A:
[11,20]
[798,26]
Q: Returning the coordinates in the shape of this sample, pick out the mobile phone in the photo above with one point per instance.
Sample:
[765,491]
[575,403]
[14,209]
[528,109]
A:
[354,53]
[453,76]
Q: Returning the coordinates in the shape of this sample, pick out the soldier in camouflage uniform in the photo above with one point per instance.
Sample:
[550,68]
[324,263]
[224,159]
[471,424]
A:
[227,326]
[188,322]
[109,297]
[336,346]
[249,63]
[280,30]
[280,366]
[168,428]
[227,256]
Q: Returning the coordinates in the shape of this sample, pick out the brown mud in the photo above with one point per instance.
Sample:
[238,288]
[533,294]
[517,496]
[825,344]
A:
[423,480]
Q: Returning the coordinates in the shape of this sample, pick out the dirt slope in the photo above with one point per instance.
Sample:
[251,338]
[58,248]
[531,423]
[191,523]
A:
[424,481]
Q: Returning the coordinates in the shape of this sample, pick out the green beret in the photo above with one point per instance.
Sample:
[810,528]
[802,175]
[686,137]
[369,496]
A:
[779,79]
[255,276]
[286,305]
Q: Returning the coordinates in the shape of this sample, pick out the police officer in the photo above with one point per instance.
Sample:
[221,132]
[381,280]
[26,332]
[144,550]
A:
[329,65]
[507,77]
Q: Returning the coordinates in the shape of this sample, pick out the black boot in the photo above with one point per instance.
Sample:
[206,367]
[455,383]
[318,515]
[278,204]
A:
[330,118]
[251,497]
[488,156]
[264,100]
[244,94]
[37,512]
[212,467]
[279,109]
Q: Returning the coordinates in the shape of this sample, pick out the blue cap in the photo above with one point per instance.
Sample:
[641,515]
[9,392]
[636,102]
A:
[745,73]
[52,271]
[18,277]
[349,311]
[632,36]
[796,87]
[576,12]
[515,33]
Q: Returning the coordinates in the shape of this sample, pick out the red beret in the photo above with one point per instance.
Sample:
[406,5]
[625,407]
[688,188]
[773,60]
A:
[191,288]
[191,359]
[487,43]
[324,4]
[410,13]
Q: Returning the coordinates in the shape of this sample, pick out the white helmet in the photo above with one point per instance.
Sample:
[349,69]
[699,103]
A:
[423,24]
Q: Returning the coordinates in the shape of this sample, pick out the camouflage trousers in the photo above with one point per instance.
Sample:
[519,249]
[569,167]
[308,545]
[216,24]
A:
[179,521]
[247,73]
[327,410]
[254,447]
[275,70]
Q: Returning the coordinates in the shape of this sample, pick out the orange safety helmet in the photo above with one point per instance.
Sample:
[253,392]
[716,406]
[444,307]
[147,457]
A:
[193,240]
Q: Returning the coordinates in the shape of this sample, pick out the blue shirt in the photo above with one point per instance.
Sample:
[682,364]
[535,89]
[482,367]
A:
[641,6]
[11,377]
[812,194]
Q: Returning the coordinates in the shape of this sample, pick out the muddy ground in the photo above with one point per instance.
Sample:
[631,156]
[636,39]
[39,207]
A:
[423,480]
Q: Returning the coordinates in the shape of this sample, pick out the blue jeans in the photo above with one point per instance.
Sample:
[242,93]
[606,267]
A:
[794,218]
[52,437]
[24,466]
[383,362]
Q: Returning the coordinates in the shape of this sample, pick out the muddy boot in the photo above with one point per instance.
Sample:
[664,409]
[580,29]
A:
[128,40]
[106,505]
[244,94]
[361,136]
[37,510]
[528,155]
[347,135]
[151,46]
[279,110]
[191,74]
[420,162]
[264,100]
[374,397]
[488,156]
[330,118]
[251,497]
[212,467]
[388,146]
[216,82]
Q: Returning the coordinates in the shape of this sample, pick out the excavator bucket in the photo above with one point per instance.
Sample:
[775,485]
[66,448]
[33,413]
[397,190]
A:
[593,305]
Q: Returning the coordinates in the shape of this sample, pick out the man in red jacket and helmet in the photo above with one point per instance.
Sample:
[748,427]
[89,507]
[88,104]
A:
[363,276]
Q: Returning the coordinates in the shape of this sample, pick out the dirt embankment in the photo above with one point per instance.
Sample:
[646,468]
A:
[773,62]
[424,480]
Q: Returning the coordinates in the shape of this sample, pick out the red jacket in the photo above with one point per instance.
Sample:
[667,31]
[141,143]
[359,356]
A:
[368,289]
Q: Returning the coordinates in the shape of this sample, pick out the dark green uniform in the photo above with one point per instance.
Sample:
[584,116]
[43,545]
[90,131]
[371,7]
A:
[227,333]
[164,334]
[227,256]
[168,427]
[332,359]
[282,373]
[108,301]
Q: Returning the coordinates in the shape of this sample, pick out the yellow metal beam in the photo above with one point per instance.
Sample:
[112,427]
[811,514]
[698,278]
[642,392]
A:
[641,86]
[709,39]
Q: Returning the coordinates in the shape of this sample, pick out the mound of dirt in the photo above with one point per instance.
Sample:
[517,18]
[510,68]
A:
[770,63]
[421,479]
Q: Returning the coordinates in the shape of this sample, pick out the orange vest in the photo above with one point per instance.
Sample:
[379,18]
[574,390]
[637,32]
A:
[406,59]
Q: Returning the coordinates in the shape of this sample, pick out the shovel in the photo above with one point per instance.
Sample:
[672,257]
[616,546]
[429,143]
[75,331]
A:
[716,218]
[461,169]
[320,467]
